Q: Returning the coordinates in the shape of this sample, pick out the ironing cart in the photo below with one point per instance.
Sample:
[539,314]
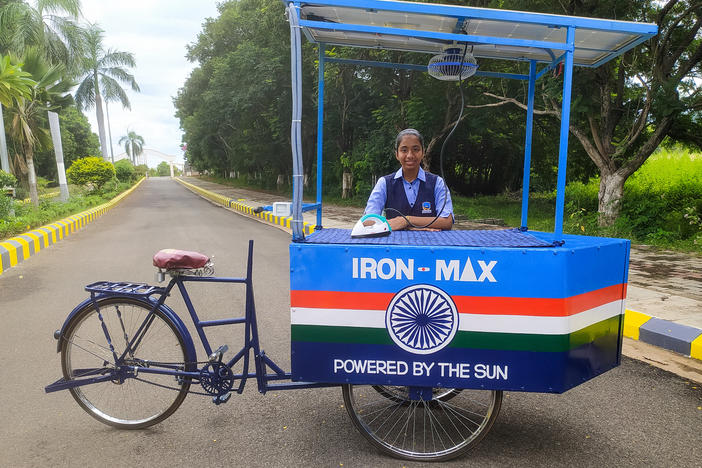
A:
[422,330]
[425,330]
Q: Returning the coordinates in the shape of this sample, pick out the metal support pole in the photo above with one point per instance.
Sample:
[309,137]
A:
[4,159]
[527,144]
[58,150]
[565,125]
[320,133]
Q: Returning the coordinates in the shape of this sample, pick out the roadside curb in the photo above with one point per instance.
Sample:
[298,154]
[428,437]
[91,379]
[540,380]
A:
[282,221]
[19,248]
[682,339]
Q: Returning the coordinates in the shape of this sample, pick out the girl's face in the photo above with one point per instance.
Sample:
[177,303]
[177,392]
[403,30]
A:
[410,153]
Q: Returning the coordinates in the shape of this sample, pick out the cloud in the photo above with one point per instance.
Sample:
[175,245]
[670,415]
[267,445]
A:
[156,32]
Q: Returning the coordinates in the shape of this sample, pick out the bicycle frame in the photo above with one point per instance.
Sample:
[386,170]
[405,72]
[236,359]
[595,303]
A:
[262,363]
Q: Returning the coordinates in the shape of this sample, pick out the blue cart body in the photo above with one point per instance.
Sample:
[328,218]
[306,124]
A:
[539,319]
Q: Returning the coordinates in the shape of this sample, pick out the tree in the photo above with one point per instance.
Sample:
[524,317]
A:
[28,126]
[49,25]
[133,145]
[102,72]
[638,99]
[77,139]
[14,83]
[163,169]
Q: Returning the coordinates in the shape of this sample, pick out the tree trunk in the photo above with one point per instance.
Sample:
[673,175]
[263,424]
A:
[610,198]
[101,126]
[347,185]
[31,175]
[280,182]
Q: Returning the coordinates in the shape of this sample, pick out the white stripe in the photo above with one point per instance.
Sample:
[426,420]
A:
[521,324]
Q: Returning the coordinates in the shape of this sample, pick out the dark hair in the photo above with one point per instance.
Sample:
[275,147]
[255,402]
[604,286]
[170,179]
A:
[408,131]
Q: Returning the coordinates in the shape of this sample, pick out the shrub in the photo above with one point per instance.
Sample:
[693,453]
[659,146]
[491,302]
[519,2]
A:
[6,205]
[124,170]
[90,171]
[7,180]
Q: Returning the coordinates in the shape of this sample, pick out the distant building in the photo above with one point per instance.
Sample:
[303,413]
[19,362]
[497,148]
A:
[153,158]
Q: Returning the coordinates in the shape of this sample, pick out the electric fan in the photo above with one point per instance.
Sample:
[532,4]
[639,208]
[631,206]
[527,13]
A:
[452,65]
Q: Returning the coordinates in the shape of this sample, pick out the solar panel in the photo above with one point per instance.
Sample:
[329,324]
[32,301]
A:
[501,34]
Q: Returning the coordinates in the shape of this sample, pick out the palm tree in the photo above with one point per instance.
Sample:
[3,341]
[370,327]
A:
[14,84]
[50,25]
[28,126]
[102,72]
[133,145]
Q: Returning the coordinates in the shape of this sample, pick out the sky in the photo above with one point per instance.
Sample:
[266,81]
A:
[156,32]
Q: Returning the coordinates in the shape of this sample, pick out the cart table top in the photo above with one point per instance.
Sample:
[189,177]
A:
[473,238]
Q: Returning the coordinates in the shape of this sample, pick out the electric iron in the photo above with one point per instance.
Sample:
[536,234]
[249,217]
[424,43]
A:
[377,226]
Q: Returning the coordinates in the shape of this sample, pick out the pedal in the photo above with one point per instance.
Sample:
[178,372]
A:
[216,356]
[219,399]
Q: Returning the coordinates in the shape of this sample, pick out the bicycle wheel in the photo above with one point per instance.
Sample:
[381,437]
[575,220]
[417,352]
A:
[401,394]
[136,401]
[436,430]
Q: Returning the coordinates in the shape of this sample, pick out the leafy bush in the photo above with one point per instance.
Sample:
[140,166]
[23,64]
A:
[6,204]
[90,171]
[7,180]
[125,170]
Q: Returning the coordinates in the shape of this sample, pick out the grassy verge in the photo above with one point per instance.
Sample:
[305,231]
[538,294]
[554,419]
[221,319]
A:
[28,217]
[662,204]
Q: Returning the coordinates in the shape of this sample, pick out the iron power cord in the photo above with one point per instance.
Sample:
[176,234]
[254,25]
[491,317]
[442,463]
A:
[441,154]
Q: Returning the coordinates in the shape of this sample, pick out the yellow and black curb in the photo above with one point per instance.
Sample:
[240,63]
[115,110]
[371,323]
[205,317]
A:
[283,221]
[676,337]
[19,248]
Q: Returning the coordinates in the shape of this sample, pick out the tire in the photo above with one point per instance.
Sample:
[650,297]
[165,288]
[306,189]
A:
[133,403]
[437,430]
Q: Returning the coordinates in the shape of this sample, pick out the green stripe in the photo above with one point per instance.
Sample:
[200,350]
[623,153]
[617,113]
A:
[325,334]
[606,329]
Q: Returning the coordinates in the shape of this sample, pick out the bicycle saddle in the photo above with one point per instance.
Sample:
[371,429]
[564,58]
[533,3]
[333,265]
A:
[170,259]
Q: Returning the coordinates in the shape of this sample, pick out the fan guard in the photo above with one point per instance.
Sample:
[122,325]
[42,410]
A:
[447,66]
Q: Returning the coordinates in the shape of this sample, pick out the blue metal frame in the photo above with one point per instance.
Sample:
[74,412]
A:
[461,13]
[320,132]
[527,144]
[262,363]
[565,131]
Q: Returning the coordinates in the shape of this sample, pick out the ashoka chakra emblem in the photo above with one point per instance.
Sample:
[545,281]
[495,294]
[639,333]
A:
[422,319]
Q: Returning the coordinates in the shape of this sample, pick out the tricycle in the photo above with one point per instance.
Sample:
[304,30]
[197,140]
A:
[423,331]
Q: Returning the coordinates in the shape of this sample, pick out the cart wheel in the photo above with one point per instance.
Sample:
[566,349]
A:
[439,429]
[401,395]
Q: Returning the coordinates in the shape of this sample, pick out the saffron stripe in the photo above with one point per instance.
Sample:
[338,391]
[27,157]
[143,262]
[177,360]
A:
[539,307]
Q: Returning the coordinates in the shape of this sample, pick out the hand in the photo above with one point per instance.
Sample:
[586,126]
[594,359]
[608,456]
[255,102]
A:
[398,224]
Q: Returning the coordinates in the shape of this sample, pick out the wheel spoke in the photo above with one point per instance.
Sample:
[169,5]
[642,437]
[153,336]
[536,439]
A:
[440,429]
[125,402]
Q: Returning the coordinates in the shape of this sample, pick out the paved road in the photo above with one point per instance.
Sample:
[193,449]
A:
[631,416]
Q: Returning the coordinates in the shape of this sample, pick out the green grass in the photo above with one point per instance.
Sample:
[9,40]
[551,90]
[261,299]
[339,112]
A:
[662,204]
[28,217]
